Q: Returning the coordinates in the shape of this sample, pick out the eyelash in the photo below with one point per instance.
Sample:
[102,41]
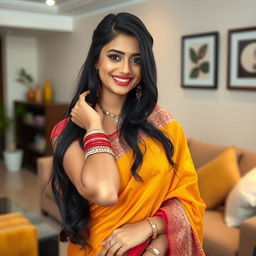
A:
[116,58]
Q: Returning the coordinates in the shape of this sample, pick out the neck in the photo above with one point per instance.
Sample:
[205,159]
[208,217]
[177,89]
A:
[111,102]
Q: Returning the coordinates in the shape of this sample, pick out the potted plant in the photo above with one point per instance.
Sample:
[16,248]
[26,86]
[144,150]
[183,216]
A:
[27,80]
[12,155]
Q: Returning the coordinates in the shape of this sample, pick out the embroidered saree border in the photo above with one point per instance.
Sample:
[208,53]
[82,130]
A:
[182,239]
[159,118]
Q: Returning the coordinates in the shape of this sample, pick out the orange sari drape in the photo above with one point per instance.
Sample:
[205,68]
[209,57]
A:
[170,193]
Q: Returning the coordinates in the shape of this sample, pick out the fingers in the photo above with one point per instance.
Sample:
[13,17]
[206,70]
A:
[110,248]
[83,95]
[114,249]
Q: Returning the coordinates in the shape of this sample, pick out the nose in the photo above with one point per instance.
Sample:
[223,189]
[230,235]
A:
[125,67]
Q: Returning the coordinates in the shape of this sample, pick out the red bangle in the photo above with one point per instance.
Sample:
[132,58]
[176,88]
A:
[95,135]
[92,145]
[96,140]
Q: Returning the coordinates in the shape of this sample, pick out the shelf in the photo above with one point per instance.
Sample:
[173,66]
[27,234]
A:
[28,133]
[40,129]
[31,149]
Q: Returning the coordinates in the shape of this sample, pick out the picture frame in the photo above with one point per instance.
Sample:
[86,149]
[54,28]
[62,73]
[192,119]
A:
[242,59]
[199,63]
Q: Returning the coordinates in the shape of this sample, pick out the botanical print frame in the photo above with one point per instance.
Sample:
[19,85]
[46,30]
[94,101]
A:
[199,60]
[242,59]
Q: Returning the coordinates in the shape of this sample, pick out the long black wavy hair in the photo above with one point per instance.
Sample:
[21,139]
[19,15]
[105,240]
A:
[74,209]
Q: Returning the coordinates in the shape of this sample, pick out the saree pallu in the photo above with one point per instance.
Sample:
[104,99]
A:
[171,193]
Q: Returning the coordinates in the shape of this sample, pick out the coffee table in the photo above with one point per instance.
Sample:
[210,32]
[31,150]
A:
[47,236]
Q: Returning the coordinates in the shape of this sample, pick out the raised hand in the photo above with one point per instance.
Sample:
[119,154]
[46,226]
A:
[83,115]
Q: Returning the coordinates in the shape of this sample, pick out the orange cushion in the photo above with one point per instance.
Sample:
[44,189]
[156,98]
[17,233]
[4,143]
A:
[17,236]
[218,177]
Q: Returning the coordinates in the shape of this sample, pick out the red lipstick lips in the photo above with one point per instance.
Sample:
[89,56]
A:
[122,80]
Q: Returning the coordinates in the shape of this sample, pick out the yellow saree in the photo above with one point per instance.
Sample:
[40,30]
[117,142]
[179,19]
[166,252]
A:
[162,184]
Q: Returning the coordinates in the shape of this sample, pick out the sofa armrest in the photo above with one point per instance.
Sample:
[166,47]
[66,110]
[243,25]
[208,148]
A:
[247,237]
[44,171]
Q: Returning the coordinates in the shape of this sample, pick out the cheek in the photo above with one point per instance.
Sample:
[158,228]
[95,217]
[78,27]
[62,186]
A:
[106,66]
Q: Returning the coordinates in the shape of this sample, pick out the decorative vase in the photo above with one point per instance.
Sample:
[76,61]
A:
[48,91]
[30,95]
[38,94]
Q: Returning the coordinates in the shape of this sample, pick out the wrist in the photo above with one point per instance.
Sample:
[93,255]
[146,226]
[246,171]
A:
[95,126]
[154,228]
[148,228]
[160,243]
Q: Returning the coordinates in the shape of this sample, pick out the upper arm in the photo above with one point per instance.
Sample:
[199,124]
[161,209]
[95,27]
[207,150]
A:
[73,162]
[74,165]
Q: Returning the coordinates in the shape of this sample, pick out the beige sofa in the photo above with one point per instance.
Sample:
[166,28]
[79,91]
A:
[219,240]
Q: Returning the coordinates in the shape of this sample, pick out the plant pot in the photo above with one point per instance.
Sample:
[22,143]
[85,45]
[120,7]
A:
[13,160]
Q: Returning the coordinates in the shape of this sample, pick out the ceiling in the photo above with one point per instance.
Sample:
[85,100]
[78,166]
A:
[72,8]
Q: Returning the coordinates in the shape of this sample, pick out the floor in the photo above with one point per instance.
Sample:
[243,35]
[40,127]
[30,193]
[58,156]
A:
[22,187]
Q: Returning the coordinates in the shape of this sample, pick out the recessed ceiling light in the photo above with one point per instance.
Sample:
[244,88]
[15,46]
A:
[50,2]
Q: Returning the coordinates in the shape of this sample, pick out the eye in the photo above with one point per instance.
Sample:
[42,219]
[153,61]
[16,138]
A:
[114,57]
[136,60]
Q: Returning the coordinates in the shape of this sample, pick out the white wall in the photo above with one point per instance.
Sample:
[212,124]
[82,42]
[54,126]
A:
[217,116]
[19,52]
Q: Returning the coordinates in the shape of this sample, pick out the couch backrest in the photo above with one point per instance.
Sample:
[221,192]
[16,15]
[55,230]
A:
[247,162]
[203,152]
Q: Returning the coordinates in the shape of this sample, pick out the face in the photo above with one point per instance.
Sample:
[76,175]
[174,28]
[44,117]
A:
[119,65]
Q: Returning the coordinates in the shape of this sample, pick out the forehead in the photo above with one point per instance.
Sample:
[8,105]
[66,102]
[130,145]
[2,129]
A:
[124,43]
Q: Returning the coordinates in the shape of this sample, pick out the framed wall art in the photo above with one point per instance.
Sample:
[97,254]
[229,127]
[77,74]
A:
[199,64]
[242,59]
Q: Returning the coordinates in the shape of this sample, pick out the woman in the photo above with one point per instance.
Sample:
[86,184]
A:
[123,177]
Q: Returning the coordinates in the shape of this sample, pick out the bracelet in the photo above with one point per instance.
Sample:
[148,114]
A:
[95,131]
[155,251]
[154,228]
[99,149]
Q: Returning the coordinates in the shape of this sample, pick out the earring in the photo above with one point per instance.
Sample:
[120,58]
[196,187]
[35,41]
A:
[138,92]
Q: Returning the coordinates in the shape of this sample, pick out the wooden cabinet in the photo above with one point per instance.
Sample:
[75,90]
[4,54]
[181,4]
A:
[34,122]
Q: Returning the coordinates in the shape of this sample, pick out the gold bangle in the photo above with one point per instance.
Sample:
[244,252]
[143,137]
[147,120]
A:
[95,131]
[154,228]
[155,251]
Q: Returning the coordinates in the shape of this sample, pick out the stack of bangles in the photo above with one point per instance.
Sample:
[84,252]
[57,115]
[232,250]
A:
[97,141]
[151,249]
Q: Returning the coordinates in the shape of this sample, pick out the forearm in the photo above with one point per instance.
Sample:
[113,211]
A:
[160,243]
[100,177]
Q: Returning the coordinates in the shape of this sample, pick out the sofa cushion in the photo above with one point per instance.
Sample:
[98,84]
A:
[217,178]
[248,161]
[218,238]
[241,201]
[202,152]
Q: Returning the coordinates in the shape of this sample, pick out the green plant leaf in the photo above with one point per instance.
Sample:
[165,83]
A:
[202,51]
[193,56]
[194,73]
[25,78]
[204,67]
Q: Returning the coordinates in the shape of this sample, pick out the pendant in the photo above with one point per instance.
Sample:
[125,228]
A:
[117,120]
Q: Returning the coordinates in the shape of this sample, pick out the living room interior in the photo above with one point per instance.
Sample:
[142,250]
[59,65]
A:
[217,114]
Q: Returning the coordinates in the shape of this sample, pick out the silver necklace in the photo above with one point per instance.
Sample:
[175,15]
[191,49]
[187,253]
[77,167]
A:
[117,118]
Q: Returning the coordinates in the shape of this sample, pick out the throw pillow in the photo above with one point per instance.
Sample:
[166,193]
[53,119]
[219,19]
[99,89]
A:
[241,201]
[218,177]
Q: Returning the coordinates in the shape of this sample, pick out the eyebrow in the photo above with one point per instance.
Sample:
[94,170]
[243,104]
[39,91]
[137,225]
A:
[123,53]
